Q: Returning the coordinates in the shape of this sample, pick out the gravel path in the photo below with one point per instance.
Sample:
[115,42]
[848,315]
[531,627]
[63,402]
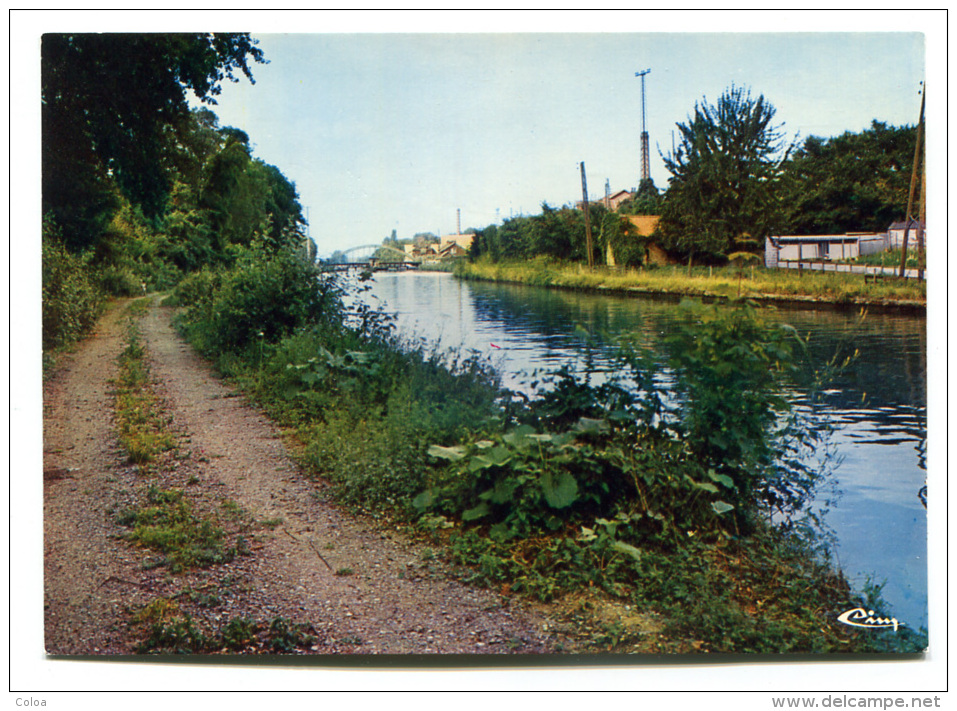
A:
[362,589]
[88,578]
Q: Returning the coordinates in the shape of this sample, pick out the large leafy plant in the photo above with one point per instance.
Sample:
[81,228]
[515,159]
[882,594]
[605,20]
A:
[732,371]
[525,480]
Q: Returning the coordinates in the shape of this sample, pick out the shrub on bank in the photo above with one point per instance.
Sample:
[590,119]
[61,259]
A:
[71,299]
[262,298]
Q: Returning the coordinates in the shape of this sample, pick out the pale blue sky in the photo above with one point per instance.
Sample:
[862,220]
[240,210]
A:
[397,131]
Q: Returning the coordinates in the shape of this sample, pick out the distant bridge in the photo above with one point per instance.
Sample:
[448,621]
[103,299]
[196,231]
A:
[371,262]
[371,249]
[372,265]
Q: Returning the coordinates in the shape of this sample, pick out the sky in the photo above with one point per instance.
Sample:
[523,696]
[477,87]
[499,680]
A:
[387,132]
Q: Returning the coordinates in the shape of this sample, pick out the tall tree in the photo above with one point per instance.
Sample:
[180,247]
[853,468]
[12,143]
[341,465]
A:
[109,105]
[724,192]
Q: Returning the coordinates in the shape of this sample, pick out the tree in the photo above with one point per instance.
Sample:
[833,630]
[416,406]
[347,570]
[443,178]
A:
[646,201]
[724,191]
[855,182]
[618,234]
[245,197]
[112,106]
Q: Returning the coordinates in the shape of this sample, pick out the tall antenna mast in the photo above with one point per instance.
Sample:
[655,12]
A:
[645,160]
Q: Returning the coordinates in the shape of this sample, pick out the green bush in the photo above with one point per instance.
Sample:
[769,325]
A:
[120,281]
[194,288]
[731,371]
[262,298]
[628,248]
[71,300]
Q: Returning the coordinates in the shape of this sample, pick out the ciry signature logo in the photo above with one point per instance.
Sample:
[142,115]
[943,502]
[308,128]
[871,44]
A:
[859,617]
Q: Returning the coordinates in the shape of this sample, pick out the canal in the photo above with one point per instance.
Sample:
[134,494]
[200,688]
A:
[873,501]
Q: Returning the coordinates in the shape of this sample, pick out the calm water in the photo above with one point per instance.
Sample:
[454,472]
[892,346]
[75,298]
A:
[878,407]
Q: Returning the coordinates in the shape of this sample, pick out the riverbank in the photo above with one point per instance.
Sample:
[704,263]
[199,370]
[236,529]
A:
[807,289]
[578,501]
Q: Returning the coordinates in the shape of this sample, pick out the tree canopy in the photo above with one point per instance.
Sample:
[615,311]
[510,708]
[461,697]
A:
[151,189]
[114,109]
[646,200]
[855,182]
[556,232]
[724,191]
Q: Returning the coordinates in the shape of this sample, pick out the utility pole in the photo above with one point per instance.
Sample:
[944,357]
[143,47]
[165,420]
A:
[591,260]
[458,220]
[645,160]
[922,221]
[913,180]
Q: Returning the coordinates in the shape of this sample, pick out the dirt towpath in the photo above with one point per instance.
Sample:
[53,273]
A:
[363,590]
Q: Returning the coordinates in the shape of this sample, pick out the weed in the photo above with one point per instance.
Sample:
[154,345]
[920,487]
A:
[237,634]
[286,636]
[168,524]
[169,631]
[141,427]
[344,571]
[204,599]
[231,511]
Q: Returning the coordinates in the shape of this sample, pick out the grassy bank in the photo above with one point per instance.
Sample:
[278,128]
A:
[760,284]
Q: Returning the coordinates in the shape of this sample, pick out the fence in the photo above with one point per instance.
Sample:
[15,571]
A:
[846,268]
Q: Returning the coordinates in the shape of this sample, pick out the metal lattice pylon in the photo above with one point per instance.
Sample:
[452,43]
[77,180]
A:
[645,160]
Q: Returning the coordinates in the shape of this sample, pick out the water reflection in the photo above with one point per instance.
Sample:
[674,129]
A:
[878,405]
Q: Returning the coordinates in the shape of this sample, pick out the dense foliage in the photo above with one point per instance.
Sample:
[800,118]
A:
[722,196]
[262,298]
[138,190]
[709,444]
[556,232]
[855,182]
[647,200]
[559,234]
[114,106]
[71,301]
